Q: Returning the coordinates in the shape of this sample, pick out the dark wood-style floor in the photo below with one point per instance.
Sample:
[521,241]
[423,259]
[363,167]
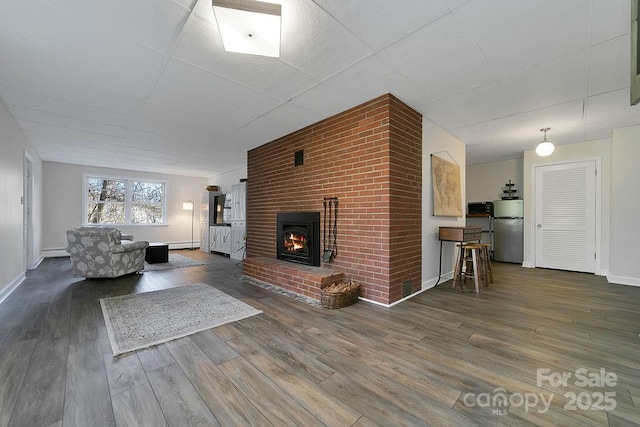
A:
[441,358]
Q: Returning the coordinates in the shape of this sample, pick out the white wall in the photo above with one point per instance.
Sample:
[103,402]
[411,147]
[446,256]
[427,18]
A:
[486,181]
[63,187]
[624,265]
[13,145]
[599,150]
[437,140]
[227,179]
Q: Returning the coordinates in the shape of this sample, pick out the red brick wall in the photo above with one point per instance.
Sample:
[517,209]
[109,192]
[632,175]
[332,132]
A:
[370,157]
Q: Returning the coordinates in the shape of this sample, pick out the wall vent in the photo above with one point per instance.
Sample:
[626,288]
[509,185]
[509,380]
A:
[406,288]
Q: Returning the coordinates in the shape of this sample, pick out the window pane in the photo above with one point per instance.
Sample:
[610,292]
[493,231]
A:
[147,192]
[147,214]
[106,190]
[105,213]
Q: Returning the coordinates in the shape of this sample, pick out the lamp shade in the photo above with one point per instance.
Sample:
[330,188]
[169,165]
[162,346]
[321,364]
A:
[187,206]
[545,148]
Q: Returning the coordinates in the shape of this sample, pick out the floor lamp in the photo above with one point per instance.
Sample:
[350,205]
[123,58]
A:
[188,206]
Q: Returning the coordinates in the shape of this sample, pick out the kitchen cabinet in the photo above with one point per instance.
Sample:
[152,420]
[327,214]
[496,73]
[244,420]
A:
[220,239]
[239,201]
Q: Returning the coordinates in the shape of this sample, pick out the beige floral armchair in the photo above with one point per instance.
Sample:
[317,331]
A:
[100,252]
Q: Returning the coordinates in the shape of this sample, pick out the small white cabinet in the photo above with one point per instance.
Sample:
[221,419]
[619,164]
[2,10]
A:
[220,239]
[238,233]
[204,222]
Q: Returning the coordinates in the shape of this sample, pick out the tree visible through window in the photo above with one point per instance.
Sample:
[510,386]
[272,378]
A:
[124,201]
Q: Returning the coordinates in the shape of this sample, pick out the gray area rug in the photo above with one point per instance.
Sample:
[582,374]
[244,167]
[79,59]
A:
[175,261]
[143,320]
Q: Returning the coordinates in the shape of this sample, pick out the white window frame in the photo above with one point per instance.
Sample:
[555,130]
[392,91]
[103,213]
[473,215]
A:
[128,203]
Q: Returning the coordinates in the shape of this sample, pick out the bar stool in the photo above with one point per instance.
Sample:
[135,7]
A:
[486,257]
[470,264]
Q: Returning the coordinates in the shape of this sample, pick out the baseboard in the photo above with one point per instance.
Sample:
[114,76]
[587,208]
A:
[37,263]
[529,264]
[182,245]
[426,285]
[11,286]
[431,283]
[61,252]
[54,252]
[620,280]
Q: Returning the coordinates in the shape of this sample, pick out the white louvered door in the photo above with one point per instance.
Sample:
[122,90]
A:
[565,216]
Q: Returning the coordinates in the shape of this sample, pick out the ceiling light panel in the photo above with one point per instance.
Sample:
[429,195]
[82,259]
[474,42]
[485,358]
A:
[249,27]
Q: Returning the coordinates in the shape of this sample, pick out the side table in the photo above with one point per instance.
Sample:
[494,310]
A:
[157,252]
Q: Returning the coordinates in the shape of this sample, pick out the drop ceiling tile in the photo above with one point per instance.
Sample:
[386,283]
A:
[197,83]
[22,19]
[66,33]
[64,77]
[372,77]
[44,139]
[142,158]
[18,98]
[153,154]
[149,141]
[363,17]
[555,82]
[314,42]
[147,130]
[603,130]
[89,96]
[440,59]
[483,153]
[609,66]
[75,158]
[515,148]
[285,119]
[19,52]
[479,104]
[179,150]
[76,149]
[467,136]
[529,124]
[610,106]
[440,115]
[517,35]
[154,23]
[45,129]
[207,115]
[189,4]
[610,19]
[326,101]
[202,47]
[57,120]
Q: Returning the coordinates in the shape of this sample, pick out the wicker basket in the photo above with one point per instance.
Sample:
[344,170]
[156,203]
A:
[345,295]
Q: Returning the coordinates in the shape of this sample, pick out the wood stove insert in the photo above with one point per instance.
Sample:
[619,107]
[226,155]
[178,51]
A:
[298,237]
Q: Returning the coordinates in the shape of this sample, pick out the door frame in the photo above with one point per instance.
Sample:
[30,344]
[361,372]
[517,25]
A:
[27,209]
[531,210]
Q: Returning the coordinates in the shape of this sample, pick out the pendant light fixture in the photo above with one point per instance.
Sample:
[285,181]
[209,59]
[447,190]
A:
[545,148]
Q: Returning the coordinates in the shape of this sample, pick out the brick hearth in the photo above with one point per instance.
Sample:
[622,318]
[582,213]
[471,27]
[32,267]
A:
[301,279]
[370,157]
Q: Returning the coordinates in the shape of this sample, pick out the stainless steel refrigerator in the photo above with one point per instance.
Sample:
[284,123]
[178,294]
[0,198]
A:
[508,230]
